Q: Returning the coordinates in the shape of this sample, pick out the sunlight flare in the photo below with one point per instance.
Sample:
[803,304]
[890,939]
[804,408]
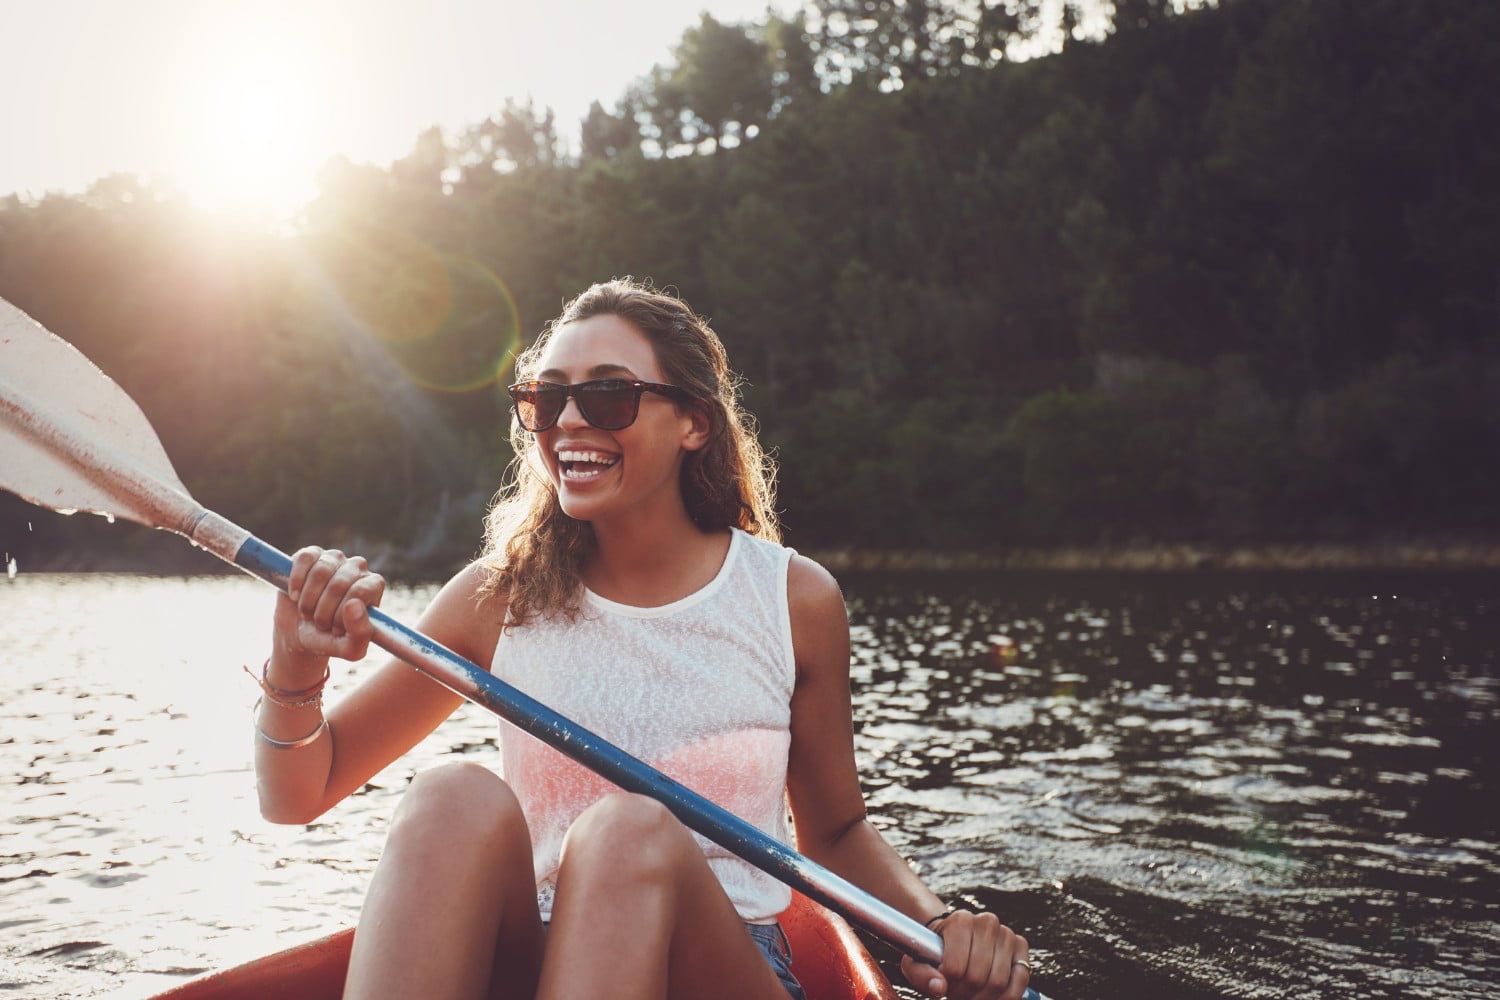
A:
[250,135]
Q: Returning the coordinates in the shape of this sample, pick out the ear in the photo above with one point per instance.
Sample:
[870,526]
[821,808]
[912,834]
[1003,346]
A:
[697,427]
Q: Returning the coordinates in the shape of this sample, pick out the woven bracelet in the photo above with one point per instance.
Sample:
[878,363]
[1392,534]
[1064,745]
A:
[290,699]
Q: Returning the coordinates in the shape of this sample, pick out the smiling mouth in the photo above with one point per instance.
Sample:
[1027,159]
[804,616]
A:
[578,466]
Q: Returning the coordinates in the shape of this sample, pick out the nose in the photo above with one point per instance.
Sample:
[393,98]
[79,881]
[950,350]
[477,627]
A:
[571,416]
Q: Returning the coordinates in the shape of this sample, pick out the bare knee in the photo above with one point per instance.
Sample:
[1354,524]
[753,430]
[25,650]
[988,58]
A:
[626,836]
[625,816]
[459,803]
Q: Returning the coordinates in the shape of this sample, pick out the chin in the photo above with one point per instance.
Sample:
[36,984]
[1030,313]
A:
[578,508]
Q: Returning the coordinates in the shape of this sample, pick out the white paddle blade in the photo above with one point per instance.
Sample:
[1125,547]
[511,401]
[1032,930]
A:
[71,439]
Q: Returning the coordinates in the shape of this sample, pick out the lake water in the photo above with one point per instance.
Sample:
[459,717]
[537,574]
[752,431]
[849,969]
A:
[1177,786]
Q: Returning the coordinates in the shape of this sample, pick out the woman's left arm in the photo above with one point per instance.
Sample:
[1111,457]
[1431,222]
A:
[980,954]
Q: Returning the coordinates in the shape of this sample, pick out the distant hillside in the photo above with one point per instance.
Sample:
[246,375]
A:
[1230,276]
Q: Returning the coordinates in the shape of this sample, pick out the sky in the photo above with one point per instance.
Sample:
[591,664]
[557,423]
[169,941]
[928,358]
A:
[242,102]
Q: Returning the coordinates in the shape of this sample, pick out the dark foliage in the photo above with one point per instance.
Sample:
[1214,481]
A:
[1224,274]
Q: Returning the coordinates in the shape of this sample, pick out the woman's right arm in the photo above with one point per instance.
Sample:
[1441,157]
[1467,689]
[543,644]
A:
[323,615]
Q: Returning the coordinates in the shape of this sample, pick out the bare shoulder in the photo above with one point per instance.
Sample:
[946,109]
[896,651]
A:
[467,613]
[811,588]
[820,622]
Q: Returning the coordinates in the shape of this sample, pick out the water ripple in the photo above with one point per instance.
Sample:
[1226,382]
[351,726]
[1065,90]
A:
[1197,786]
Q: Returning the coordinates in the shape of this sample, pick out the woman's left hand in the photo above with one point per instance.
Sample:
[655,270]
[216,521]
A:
[982,960]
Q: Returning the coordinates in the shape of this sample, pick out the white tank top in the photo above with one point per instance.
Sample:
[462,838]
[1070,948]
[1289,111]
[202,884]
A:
[700,689]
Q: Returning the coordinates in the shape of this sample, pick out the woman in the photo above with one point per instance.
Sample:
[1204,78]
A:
[632,581]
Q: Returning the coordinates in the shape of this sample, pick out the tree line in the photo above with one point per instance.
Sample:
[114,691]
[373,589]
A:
[1217,274]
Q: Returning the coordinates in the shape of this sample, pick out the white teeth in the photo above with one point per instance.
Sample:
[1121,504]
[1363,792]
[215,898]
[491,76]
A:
[570,462]
[586,456]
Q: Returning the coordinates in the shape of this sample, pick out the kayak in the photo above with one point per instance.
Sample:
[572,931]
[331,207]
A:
[827,958]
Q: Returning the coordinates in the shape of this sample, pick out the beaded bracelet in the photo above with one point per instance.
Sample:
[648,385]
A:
[287,744]
[290,699]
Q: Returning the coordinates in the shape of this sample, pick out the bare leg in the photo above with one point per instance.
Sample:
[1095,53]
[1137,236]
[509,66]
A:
[451,910]
[639,914]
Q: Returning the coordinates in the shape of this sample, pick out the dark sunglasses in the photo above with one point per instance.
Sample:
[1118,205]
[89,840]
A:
[610,404]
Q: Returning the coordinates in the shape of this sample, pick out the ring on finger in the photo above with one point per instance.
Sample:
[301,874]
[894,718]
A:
[1022,961]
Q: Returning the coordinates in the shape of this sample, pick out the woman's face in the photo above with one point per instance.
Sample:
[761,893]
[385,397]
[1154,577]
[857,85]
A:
[598,473]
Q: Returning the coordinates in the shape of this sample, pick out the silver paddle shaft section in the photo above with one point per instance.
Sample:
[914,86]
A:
[609,761]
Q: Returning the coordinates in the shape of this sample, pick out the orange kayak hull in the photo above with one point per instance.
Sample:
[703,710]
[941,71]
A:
[827,958]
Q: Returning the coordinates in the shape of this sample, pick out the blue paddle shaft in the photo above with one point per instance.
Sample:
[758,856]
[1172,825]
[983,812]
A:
[605,759]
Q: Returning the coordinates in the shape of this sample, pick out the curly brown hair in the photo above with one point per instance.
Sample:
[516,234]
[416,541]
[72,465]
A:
[535,550]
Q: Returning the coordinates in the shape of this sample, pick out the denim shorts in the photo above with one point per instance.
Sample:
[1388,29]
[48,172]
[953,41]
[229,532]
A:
[772,942]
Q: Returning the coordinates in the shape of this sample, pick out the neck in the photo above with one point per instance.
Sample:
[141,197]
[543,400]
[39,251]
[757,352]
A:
[652,560]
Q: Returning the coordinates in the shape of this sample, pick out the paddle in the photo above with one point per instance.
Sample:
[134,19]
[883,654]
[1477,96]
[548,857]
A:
[71,439]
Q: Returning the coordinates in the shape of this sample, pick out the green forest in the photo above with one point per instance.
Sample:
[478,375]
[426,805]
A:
[1221,274]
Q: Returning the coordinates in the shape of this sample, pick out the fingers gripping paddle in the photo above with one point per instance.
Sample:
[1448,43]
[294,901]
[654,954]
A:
[71,439]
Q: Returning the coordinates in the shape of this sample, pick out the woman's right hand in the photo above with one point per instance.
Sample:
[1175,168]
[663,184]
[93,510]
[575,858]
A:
[325,609]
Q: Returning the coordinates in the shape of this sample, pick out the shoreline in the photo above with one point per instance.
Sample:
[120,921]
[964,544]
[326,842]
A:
[1143,557]
[1177,558]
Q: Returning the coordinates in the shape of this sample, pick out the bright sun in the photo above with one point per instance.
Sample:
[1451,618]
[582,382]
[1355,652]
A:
[249,141]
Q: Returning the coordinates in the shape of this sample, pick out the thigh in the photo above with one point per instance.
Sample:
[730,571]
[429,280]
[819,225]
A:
[714,954]
[639,908]
[451,910]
